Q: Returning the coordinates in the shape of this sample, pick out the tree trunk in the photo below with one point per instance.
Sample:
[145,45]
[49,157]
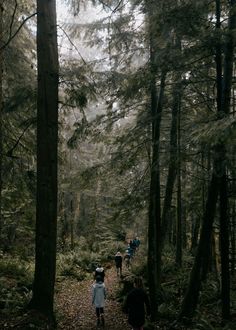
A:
[1,116]
[223,106]
[154,228]
[47,141]
[195,233]
[178,257]
[232,240]
[172,170]
[224,248]
[191,297]
[154,221]
[218,181]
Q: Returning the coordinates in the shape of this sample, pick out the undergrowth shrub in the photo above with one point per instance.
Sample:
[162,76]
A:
[77,263]
[15,283]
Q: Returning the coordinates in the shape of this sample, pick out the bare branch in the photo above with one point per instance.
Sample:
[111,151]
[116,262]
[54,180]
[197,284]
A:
[13,18]
[68,37]
[10,152]
[15,33]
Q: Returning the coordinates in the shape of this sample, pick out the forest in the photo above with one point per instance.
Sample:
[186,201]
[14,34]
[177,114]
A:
[117,121]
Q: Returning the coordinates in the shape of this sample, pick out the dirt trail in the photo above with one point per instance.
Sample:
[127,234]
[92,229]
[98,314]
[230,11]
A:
[75,310]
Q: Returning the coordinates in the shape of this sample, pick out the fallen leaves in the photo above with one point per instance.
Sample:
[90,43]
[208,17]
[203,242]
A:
[74,308]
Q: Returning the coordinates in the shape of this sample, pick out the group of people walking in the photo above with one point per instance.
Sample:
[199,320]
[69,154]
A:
[136,303]
[132,247]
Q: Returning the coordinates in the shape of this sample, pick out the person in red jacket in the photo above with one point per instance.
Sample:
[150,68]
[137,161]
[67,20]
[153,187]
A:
[137,305]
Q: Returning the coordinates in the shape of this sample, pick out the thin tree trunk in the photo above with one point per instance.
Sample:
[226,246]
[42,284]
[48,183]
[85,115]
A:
[232,239]
[172,169]
[195,233]
[1,116]
[179,242]
[47,142]
[224,248]
[191,297]
[224,107]
[71,215]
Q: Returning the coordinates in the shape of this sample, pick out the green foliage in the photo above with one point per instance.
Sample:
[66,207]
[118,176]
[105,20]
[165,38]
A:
[77,97]
[76,264]
[22,97]
[210,292]
[15,283]
[214,131]
[203,324]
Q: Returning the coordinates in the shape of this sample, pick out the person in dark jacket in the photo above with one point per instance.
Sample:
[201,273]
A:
[99,271]
[137,305]
[118,262]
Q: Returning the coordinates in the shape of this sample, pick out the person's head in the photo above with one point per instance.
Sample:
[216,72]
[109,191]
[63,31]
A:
[99,265]
[138,282]
[118,253]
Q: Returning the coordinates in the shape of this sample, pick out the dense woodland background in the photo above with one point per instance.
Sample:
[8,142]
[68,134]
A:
[118,120]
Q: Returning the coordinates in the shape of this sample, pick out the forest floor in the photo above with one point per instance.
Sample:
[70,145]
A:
[75,310]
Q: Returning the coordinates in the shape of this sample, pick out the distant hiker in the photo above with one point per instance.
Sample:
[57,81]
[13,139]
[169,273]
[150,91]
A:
[130,251]
[99,271]
[132,247]
[137,305]
[127,258]
[118,262]
[136,241]
[98,299]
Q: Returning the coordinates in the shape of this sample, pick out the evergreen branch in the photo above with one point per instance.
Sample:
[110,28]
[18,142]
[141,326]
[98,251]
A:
[11,37]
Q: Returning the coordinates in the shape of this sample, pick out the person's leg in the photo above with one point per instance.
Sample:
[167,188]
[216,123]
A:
[98,315]
[102,316]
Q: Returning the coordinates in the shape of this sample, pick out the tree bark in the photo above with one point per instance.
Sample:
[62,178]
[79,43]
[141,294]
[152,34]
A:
[223,104]
[154,228]
[224,247]
[1,116]
[47,141]
[233,239]
[191,297]
[218,181]
[223,107]
[179,242]
[172,169]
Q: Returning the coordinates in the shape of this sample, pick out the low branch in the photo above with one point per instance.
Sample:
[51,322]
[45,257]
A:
[16,32]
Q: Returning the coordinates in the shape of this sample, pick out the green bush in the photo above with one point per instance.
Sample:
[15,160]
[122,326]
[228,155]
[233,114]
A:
[77,263]
[15,283]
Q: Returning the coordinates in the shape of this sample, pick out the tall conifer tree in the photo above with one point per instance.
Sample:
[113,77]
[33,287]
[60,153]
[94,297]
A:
[47,141]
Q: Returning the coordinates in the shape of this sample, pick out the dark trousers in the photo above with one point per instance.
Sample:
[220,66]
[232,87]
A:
[99,311]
